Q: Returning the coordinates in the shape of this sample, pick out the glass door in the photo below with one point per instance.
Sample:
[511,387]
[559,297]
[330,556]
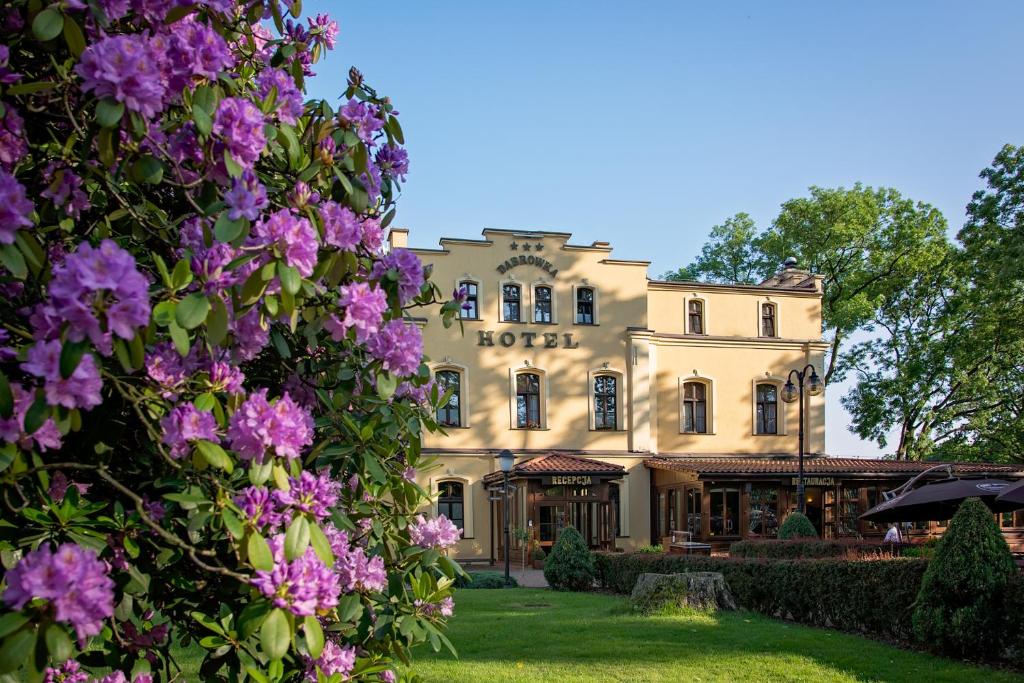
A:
[552,521]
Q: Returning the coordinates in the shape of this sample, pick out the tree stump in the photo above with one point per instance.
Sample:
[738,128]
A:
[705,591]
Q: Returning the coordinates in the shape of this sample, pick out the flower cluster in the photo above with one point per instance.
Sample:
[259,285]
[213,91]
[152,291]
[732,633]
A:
[184,425]
[239,124]
[288,98]
[259,507]
[355,570]
[292,236]
[72,579]
[364,306]
[12,429]
[246,198]
[363,119]
[434,533]
[405,267]
[399,347]
[314,495]
[80,390]
[260,428]
[303,586]
[334,659]
[15,207]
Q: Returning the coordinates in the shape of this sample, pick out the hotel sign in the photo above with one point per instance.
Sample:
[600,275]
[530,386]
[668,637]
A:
[529,260]
[567,480]
[547,340]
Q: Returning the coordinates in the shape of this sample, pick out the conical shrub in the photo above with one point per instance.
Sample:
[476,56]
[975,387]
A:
[570,566]
[959,609]
[797,526]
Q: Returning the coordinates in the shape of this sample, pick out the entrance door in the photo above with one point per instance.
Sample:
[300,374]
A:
[693,512]
[552,521]
[814,507]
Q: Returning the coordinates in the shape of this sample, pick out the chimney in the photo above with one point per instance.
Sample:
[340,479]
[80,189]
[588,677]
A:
[398,238]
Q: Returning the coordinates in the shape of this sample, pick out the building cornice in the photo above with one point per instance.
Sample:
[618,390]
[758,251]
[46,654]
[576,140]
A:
[670,339]
[690,286]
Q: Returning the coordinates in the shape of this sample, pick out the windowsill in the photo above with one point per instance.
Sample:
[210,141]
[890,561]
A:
[453,426]
[537,322]
[512,322]
[608,431]
[774,336]
[530,429]
[775,434]
[587,324]
[698,433]
[471,320]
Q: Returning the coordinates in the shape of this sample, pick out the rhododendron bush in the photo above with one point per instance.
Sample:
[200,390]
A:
[212,387]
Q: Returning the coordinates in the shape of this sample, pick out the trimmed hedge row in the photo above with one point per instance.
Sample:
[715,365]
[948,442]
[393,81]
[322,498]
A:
[871,597]
[808,548]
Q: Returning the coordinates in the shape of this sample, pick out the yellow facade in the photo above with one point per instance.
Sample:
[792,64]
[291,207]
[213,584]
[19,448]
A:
[640,338]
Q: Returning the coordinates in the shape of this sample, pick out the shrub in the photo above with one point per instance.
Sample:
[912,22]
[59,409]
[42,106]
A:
[484,580]
[959,608]
[651,549]
[874,597]
[797,526]
[202,339]
[538,554]
[570,566]
[802,548]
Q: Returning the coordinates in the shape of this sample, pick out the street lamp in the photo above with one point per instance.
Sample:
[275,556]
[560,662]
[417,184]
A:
[790,393]
[506,460]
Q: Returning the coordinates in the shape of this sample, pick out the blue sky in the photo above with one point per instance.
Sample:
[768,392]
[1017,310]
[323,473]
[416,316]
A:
[644,124]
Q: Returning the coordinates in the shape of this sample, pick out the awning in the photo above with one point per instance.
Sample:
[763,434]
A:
[765,467]
[938,500]
[559,464]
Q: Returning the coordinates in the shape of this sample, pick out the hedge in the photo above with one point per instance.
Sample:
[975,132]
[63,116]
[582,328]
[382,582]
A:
[871,597]
[807,548]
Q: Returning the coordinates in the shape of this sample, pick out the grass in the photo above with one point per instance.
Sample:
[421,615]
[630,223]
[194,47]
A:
[541,635]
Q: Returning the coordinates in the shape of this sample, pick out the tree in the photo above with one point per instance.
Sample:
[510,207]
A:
[211,399]
[731,255]
[570,566]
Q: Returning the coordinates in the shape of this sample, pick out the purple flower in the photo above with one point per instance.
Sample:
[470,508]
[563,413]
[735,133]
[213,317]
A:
[405,267]
[393,161]
[259,428]
[46,437]
[342,228]
[81,390]
[373,234]
[312,495]
[247,197]
[324,30]
[293,237]
[251,335]
[302,195]
[387,676]
[7,76]
[258,507]
[15,207]
[194,50]
[72,579]
[371,182]
[409,474]
[166,367]
[289,98]
[68,672]
[303,586]
[154,508]
[362,118]
[186,424]
[333,659]
[239,123]
[96,282]
[399,347]
[64,189]
[126,68]
[430,533]
[13,147]
[113,9]
[355,570]
[226,378]
[364,310]
[301,391]
[445,608]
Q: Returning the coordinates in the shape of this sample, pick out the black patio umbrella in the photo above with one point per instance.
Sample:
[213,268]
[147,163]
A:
[938,500]
[1012,497]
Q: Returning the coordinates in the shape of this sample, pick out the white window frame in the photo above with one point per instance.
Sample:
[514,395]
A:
[523,302]
[780,417]
[778,320]
[703,314]
[463,371]
[584,284]
[467,278]
[513,373]
[711,399]
[543,282]
[619,376]
[467,500]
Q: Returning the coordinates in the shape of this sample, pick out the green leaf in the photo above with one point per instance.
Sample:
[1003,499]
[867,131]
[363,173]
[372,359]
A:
[314,636]
[252,288]
[74,37]
[191,311]
[276,634]
[106,143]
[296,539]
[182,274]
[259,474]
[16,649]
[12,259]
[36,415]
[70,355]
[180,338]
[148,170]
[259,553]
[48,24]
[227,230]
[11,622]
[29,88]
[138,350]
[297,12]
[215,455]
[161,267]
[292,147]
[386,385]
[109,112]
[321,545]
[396,129]
[58,643]
[235,169]
[361,158]
[290,278]
[217,321]
[232,523]
[204,124]
[121,351]
[251,618]
[163,313]
[6,397]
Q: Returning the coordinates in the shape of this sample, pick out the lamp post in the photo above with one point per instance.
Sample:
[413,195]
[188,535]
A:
[506,460]
[790,393]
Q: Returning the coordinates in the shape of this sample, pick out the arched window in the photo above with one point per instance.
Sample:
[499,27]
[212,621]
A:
[768,328]
[471,306]
[542,304]
[451,503]
[450,414]
[766,420]
[695,408]
[606,407]
[695,315]
[511,298]
[528,401]
[584,306]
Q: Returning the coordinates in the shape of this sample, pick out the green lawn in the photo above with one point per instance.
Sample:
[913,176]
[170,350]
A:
[540,635]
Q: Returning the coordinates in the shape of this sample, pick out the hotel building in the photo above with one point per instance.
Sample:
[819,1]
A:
[635,407]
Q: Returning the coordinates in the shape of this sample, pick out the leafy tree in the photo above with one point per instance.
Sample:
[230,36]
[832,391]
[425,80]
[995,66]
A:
[731,255]
[570,566]
[210,395]
[797,525]
[959,606]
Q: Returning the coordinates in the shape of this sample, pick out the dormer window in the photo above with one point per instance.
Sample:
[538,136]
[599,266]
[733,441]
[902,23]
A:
[511,300]
[695,316]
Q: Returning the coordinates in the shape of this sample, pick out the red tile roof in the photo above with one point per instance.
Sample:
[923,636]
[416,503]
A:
[815,465]
[559,463]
